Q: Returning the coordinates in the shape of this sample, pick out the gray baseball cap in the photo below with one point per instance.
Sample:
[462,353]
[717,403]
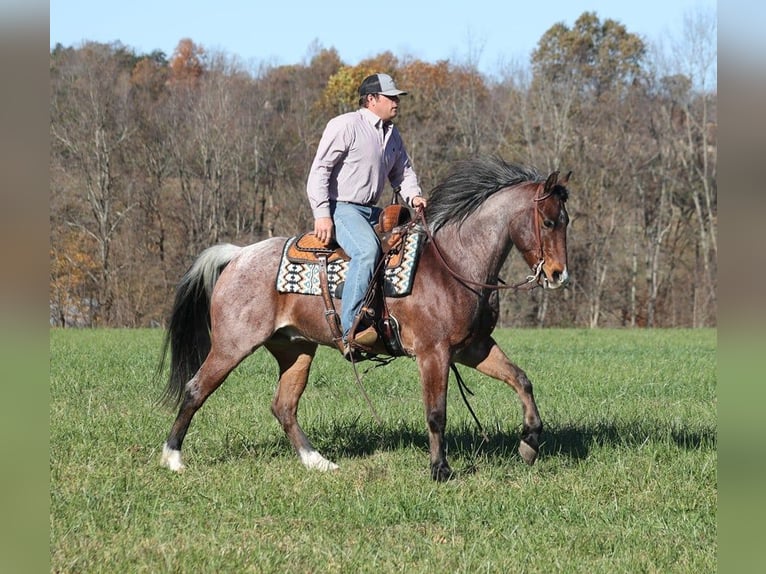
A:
[380,84]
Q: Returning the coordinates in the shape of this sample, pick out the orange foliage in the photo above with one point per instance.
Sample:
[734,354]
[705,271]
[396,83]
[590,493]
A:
[186,65]
[149,76]
[72,271]
[429,79]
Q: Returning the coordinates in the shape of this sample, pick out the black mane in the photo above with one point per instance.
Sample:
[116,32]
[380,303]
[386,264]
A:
[469,184]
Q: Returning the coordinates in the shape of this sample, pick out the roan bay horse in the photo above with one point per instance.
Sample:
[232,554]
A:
[226,306]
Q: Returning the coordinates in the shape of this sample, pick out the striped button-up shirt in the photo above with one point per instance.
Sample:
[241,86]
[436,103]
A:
[353,160]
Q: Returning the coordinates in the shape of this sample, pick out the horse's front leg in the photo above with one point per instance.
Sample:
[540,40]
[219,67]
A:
[488,358]
[434,372]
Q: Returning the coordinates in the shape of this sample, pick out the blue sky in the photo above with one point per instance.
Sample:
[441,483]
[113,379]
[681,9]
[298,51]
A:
[489,33]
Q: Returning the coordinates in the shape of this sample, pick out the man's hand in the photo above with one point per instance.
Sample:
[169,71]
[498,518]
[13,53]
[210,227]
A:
[419,202]
[323,227]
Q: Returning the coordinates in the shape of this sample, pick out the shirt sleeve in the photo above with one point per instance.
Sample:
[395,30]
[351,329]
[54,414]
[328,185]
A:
[333,146]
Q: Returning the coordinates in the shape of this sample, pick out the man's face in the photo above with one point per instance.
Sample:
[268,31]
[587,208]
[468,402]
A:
[385,107]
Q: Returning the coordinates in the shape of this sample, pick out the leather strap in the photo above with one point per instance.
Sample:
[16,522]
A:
[330,314]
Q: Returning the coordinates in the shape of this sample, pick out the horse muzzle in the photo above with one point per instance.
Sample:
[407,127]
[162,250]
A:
[557,279]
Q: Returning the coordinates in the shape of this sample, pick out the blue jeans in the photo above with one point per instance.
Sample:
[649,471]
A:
[354,233]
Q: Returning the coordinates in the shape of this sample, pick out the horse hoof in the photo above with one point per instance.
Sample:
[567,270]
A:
[441,472]
[330,467]
[527,453]
[312,460]
[172,459]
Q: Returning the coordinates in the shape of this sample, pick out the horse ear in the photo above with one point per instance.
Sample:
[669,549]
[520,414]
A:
[551,181]
[565,181]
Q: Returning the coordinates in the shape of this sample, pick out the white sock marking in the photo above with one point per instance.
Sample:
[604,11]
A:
[313,460]
[171,459]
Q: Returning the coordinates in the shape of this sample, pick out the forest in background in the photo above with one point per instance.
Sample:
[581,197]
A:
[154,158]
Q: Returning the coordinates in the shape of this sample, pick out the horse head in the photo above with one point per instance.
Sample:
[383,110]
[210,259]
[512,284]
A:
[544,243]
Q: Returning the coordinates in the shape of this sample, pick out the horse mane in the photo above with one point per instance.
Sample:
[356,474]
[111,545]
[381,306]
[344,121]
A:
[469,184]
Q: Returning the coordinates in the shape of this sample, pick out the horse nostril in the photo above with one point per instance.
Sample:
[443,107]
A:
[556,276]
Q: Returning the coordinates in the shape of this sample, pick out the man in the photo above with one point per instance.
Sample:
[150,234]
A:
[358,151]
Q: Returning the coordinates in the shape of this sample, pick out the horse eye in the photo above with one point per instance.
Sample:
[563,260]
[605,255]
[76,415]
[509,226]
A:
[548,223]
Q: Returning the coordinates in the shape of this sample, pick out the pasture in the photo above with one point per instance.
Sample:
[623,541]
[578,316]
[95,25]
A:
[626,480]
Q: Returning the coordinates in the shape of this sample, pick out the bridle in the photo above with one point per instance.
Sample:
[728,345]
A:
[530,282]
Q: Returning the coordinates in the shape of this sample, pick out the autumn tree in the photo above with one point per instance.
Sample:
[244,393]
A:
[89,128]
[592,57]
[73,278]
[187,64]
[574,116]
[151,164]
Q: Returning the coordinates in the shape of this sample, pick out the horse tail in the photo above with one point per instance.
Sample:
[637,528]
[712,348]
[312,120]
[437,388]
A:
[188,334]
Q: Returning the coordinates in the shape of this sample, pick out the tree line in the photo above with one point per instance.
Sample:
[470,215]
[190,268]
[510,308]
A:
[154,158]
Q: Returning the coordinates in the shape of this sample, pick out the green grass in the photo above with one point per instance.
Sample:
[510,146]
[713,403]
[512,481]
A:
[626,480]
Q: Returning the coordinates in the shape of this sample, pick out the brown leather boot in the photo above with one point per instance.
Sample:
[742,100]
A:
[366,337]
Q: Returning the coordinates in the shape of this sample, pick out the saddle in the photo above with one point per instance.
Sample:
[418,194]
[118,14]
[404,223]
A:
[391,229]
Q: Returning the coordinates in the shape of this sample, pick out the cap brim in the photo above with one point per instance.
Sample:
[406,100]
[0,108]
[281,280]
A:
[393,93]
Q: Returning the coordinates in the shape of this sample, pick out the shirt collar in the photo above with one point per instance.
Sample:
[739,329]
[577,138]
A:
[374,120]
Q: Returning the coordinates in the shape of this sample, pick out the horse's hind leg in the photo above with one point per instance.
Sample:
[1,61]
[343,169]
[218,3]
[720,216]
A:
[489,359]
[208,378]
[294,363]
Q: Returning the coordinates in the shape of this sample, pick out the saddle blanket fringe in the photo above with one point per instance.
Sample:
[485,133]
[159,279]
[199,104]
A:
[303,278]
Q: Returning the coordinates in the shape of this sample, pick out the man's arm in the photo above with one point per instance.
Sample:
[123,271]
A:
[331,149]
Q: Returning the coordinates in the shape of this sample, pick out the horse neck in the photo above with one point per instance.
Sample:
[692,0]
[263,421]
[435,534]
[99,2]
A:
[479,247]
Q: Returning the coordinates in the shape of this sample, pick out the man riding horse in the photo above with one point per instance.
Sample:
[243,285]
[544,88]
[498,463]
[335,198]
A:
[358,151]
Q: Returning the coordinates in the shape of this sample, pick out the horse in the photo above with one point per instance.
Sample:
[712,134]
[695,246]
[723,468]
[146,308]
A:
[226,306]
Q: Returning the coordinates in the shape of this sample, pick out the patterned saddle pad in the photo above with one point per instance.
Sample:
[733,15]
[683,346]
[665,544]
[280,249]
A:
[303,276]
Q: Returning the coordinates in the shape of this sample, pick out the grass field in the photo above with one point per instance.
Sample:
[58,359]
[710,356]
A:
[626,480]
